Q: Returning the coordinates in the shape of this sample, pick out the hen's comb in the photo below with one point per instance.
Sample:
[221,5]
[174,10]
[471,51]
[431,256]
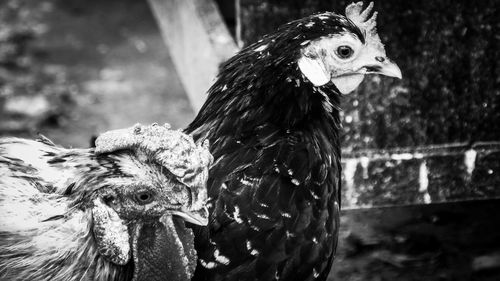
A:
[187,161]
[357,15]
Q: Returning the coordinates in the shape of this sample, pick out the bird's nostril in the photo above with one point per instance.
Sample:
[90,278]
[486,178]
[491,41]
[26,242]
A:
[380,59]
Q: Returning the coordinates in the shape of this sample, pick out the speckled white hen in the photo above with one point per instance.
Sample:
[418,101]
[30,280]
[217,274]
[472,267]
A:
[113,213]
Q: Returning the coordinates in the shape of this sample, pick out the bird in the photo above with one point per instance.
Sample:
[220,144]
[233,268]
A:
[113,212]
[272,119]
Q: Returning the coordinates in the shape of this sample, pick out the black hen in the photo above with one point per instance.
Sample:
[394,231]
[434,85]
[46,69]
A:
[272,119]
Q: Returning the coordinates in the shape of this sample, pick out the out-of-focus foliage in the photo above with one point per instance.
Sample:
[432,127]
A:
[449,53]
[32,94]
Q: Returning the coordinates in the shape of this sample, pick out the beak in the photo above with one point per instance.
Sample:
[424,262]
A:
[199,217]
[385,66]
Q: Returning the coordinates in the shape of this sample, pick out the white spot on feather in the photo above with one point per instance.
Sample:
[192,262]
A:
[327,104]
[263,205]
[220,258]
[315,273]
[295,182]
[314,195]
[208,265]
[245,181]
[260,48]
[286,215]
[253,251]
[236,215]
[262,216]
[254,227]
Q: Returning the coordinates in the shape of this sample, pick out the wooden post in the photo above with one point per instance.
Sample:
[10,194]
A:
[198,41]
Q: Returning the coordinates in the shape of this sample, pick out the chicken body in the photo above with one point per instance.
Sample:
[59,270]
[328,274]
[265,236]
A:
[272,118]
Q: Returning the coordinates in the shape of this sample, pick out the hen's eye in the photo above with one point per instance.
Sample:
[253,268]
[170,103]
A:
[344,52]
[144,197]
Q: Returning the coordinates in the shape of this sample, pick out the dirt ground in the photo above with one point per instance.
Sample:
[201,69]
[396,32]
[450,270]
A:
[114,56]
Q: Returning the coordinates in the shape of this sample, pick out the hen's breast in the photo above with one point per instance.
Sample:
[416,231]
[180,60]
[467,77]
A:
[275,208]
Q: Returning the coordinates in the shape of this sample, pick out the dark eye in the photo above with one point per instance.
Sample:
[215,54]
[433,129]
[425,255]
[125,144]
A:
[344,52]
[144,197]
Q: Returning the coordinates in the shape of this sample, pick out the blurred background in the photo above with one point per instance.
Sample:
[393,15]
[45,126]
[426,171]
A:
[421,155]
[73,69]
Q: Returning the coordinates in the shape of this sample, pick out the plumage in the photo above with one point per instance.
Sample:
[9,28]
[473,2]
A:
[272,119]
[115,212]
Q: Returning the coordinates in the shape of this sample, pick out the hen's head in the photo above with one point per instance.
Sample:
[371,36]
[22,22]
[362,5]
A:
[349,49]
[166,173]
[320,49]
